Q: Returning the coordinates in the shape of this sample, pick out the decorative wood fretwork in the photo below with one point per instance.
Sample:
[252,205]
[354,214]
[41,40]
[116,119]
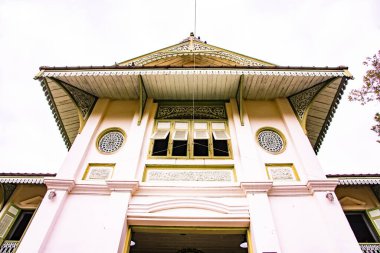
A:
[111,141]
[54,109]
[330,115]
[195,48]
[9,246]
[369,247]
[302,100]
[83,100]
[190,112]
[270,140]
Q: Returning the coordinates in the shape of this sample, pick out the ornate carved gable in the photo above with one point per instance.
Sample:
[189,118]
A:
[193,49]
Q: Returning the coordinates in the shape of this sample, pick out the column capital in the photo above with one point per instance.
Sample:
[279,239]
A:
[322,185]
[59,184]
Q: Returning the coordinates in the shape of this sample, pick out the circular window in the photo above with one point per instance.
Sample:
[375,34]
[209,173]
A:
[111,141]
[271,140]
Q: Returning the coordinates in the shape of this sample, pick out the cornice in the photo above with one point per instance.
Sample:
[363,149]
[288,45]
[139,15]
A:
[322,185]
[289,190]
[190,191]
[59,184]
[86,188]
[122,185]
[83,187]
[109,186]
[254,187]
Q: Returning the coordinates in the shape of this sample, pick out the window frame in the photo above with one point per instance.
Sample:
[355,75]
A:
[190,139]
[368,223]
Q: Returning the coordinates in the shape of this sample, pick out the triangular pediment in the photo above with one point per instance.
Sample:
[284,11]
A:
[194,52]
[351,202]
[33,202]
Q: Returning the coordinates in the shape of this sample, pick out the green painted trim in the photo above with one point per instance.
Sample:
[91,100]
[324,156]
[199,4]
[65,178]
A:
[14,216]
[142,103]
[54,109]
[190,140]
[373,220]
[239,99]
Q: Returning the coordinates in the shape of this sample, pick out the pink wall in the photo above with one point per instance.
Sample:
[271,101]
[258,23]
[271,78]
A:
[305,225]
[82,225]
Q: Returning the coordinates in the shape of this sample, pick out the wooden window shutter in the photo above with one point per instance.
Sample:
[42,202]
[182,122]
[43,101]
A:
[7,221]
[374,216]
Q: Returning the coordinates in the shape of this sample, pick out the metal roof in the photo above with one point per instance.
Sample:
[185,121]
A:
[69,89]
[357,179]
[24,178]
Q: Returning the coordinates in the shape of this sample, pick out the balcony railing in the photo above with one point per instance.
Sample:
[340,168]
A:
[8,247]
[368,247]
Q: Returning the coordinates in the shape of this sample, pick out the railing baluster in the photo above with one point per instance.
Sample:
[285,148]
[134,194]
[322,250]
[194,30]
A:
[368,247]
[8,246]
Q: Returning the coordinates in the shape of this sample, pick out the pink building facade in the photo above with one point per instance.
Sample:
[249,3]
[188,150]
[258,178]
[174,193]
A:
[191,148]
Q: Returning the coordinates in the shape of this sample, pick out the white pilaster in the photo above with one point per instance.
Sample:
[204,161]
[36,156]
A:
[46,217]
[342,238]
[262,228]
[253,167]
[303,148]
[117,211]
[127,167]
[74,159]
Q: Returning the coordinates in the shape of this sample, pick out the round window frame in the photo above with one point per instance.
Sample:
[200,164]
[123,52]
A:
[282,136]
[106,131]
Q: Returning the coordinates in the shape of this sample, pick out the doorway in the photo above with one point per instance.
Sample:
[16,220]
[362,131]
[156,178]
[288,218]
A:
[187,240]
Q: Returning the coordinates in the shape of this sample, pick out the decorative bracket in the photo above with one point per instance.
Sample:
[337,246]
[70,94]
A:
[239,99]
[83,100]
[142,99]
[301,101]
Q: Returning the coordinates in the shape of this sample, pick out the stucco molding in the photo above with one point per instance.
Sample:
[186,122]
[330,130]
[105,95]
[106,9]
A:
[122,185]
[316,185]
[59,184]
[254,187]
[146,189]
[289,190]
[188,203]
[87,188]
[228,221]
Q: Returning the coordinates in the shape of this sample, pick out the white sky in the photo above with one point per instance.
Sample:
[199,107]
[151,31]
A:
[88,32]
